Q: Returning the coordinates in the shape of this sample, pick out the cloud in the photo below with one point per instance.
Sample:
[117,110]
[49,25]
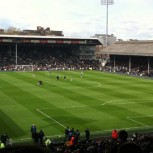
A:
[126,19]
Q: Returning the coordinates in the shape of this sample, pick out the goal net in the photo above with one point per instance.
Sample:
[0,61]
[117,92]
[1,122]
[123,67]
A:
[104,59]
[25,68]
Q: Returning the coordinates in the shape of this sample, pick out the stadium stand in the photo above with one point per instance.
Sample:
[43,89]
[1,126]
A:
[130,57]
[133,143]
[46,62]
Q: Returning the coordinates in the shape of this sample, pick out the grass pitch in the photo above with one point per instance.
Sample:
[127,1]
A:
[98,101]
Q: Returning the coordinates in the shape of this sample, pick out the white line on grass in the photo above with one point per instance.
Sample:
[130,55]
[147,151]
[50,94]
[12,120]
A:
[112,101]
[51,118]
[99,84]
[136,121]
[108,102]
[82,106]
[126,103]
[70,107]
[143,116]
[120,100]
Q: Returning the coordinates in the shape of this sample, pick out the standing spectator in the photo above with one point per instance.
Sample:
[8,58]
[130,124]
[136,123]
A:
[70,135]
[66,133]
[77,135]
[36,138]
[72,130]
[72,140]
[114,134]
[41,136]
[33,130]
[87,133]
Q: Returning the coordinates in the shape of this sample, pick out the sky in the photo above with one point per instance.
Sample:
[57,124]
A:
[127,19]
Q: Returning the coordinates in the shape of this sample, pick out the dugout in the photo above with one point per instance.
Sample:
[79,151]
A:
[131,53]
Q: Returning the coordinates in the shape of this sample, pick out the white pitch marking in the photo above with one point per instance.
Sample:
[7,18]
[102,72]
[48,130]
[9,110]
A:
[71,107]
[143,116]
[136,121]
[126,103]
[110,102]
[50,118]
[99,84]
[119,100]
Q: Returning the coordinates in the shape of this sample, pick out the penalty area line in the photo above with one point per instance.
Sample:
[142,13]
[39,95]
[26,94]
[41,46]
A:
[51,118]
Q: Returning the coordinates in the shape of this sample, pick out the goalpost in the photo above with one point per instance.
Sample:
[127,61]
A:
[25,68]
[104,59]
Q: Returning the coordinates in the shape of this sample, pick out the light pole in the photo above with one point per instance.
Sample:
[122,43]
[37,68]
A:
[107,2]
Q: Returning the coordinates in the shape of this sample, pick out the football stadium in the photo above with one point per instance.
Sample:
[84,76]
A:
[56,87]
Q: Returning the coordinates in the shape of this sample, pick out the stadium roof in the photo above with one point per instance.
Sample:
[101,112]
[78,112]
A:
[48,39]
[137,48]
[42,37]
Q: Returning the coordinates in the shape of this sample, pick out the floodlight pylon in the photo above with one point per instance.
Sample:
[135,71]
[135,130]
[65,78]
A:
[107,2]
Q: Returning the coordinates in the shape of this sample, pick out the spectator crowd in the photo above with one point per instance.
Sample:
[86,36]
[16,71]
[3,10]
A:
[120,141]
[137,66]
[46,61]
[41,61]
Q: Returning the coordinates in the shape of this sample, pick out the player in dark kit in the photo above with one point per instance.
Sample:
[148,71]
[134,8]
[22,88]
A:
[33,130]
[57,77]
[40,83]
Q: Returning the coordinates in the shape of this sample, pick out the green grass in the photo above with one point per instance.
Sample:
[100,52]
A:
[98,101]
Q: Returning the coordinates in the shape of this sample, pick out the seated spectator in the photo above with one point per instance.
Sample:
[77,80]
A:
[47,142]
[2,145]
[129,147]
[4,138]
[25,149]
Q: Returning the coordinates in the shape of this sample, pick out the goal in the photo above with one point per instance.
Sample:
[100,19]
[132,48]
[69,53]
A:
[105,58]
[25,68]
